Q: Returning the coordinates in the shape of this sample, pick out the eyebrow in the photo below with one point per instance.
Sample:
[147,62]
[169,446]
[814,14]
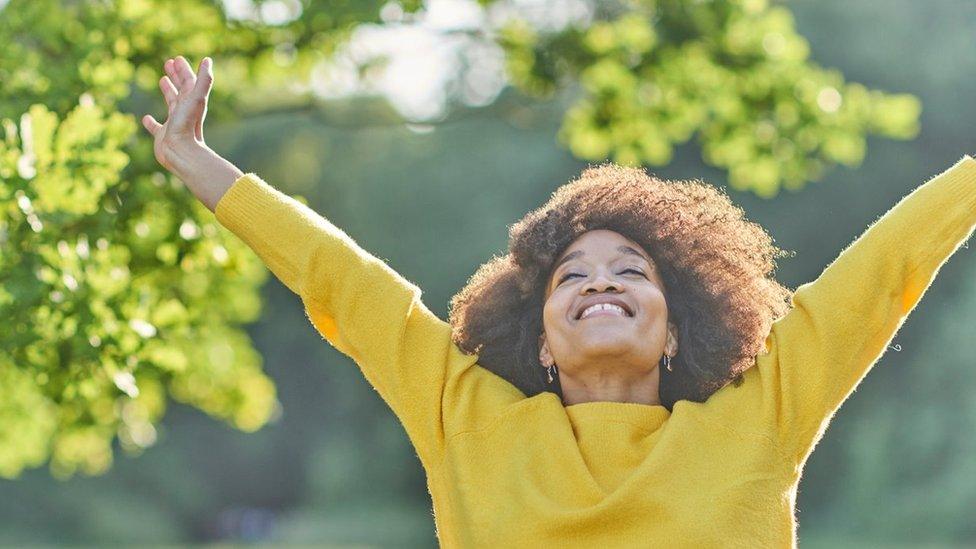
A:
[624,249]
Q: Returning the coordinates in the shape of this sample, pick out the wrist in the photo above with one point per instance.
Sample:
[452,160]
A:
[207,174]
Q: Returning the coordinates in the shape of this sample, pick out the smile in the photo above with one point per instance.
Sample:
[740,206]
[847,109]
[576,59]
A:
[603,309]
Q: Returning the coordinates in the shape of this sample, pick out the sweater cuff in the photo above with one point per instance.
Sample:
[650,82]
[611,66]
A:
[248,209]
[246,194]
[960,182]
[961,178]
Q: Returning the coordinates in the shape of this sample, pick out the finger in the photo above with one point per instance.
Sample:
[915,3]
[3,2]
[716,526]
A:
[169,91]
[151,125]
[187,78]
[170,67]
[204,78]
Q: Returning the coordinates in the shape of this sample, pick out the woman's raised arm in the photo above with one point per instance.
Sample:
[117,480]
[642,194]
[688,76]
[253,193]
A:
[355,300]
[358,303]
[843,321]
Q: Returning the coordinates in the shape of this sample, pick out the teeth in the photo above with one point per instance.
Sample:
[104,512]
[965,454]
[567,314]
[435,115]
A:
[602,307]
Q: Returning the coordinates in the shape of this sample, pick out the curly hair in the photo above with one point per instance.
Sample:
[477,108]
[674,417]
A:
[715,264]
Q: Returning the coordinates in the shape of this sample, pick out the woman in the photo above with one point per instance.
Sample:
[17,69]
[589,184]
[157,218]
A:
[628,375]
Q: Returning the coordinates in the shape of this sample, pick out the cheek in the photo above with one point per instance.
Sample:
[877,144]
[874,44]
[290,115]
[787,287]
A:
[548,314]
[554,313]
[656,312]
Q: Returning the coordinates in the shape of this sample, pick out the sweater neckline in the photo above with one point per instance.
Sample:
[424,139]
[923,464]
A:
[649,416]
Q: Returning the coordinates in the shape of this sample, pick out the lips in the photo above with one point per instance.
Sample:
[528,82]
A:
[597,300]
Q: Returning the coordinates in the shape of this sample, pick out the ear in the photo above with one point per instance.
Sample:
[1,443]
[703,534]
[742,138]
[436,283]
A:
[545,357]
[671,347]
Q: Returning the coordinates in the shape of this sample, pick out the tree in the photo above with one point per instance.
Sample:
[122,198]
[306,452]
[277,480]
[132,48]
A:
[734,73]
[118,289]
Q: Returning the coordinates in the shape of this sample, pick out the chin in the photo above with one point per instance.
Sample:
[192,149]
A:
[603,345]
[605,330]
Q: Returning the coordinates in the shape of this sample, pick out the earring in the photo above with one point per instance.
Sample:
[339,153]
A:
[667,362]
[551,369]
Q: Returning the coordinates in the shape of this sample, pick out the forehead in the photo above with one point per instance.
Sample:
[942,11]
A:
[603,240]
[600,243]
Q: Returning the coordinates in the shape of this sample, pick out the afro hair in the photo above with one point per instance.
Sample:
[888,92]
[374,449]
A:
[716,265]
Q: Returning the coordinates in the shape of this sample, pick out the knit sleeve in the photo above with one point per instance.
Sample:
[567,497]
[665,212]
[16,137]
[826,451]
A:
[842,322]
[356,302]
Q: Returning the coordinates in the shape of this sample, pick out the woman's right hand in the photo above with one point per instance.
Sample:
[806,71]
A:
[186,97]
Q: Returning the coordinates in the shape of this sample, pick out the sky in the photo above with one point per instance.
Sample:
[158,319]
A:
[424,61]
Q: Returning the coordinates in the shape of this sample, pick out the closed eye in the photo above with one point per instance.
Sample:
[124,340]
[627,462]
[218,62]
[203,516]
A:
[567,275]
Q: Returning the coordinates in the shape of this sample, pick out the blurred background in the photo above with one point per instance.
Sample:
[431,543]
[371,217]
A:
[158,387]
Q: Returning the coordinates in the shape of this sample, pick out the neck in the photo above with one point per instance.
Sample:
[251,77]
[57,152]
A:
[605,384]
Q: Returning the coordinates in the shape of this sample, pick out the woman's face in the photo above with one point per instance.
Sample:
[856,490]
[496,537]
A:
[626,332]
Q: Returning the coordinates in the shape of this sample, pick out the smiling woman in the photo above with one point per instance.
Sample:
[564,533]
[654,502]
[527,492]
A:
[701,281]
[510,461]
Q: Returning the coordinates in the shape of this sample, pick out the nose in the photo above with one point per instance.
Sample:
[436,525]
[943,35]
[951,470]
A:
[600,283]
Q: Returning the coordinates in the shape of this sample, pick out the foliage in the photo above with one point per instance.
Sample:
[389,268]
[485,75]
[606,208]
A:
[655,72]
[108,294]
[119,289]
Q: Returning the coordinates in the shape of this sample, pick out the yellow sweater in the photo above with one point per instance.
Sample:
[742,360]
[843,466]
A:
[505,470]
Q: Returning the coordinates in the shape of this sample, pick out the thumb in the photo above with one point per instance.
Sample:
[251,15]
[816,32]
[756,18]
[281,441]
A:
[151,125]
